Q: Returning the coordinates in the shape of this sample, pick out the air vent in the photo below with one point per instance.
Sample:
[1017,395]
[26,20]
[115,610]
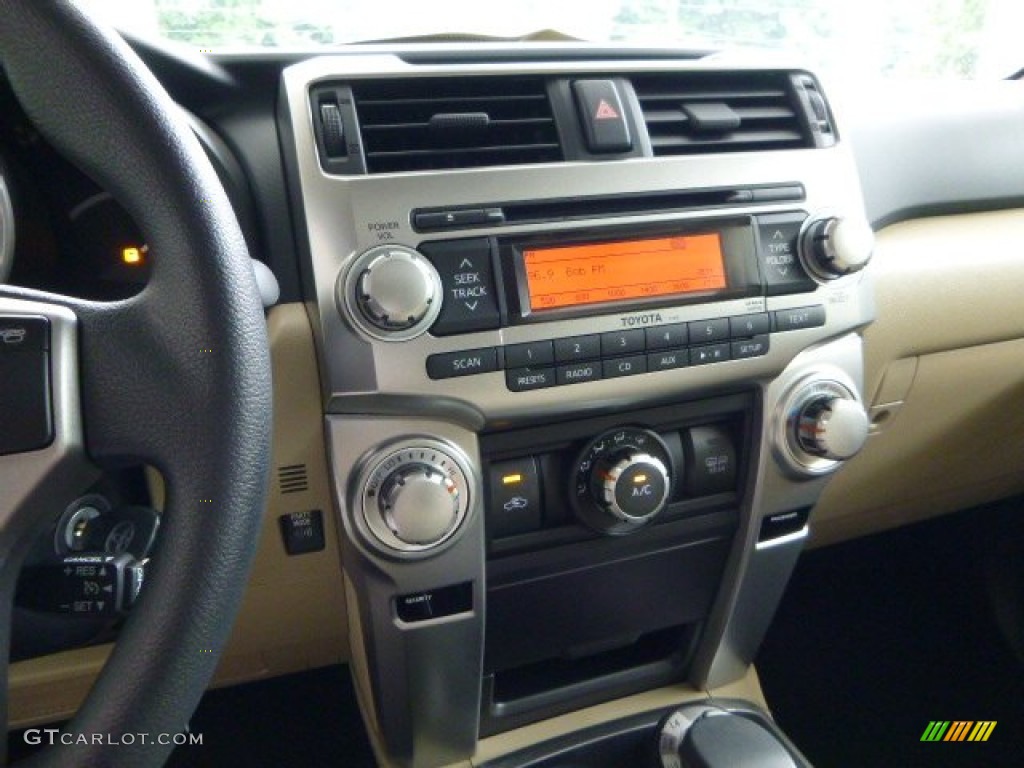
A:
[703,112]
[421,124]
[292,478]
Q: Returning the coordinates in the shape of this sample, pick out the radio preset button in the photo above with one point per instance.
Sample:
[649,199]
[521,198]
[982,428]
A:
[451,364]
[577,348]
[749,325]
[467,280]
[704,331]
[667,336]
[755,347]
[622,342]
[578,373]
[800,318]
[624,366]
[527,379]
[712,353]
[667,360]
[533,353]
[778,254]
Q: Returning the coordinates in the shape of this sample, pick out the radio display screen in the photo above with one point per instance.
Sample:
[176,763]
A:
[576,275]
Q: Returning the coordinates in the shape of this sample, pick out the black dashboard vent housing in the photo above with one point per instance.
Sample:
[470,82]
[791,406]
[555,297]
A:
[703,112]
[438,123]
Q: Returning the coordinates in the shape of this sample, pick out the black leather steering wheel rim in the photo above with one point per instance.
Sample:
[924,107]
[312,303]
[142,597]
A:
[177,377]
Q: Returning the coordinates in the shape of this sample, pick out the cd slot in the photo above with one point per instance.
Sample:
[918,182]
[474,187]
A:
[656,202]
[539,211]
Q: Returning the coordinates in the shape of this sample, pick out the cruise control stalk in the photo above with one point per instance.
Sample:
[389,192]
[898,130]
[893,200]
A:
[87,584]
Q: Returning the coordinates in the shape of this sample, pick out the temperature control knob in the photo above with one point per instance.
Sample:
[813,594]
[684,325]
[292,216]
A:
[414,498]
[834,247]
[419,504]
[621,480]
[822,423]
[832,427]
[393,292]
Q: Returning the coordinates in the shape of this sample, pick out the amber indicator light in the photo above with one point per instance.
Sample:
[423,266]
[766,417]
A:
[575,275]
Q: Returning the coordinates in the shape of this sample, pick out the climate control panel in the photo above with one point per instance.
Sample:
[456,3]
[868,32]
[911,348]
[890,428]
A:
[616,476]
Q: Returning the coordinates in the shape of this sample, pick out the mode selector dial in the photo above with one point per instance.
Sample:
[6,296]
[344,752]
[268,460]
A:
[414,498]
[832,427]
[836,246]
[822,423]
[621,480]
[392,292]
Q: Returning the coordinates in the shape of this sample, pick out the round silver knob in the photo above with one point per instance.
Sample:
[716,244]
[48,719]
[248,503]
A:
[414,498]
[821,423]
[419,504]
[836,246]
[392,292]
[634,486]
[833,428]
[396,289]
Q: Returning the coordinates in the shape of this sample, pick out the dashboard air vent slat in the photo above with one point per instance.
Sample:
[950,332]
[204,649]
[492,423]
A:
[433,123]
[765,103]
[293,478]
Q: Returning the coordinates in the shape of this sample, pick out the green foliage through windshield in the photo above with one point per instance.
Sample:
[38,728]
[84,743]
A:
[929,38]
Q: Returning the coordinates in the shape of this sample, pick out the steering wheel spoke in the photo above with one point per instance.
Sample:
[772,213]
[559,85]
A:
[177,377]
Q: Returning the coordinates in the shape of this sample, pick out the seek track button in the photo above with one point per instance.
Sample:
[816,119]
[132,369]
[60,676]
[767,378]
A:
[468,281]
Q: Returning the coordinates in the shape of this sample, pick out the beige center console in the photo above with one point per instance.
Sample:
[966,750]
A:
[589,342]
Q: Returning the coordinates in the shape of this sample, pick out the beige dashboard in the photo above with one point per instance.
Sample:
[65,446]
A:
[943,376]
[944,380]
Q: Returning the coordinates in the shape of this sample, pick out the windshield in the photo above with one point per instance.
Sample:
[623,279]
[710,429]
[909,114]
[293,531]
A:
[907,38]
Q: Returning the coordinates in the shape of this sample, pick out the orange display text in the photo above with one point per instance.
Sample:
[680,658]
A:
[572,276]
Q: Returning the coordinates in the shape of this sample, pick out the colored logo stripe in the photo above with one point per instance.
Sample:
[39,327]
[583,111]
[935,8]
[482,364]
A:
[935,730]
[958,730]
[982,730]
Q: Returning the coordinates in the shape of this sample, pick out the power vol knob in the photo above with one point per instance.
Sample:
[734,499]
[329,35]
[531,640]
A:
[836,246]
[414,498]
[392,292]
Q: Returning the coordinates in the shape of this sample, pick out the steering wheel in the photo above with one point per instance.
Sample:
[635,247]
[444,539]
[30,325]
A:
[177,378]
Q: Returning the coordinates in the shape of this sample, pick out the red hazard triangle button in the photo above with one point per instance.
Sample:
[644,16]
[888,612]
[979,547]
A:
[602,116]
[606,111]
